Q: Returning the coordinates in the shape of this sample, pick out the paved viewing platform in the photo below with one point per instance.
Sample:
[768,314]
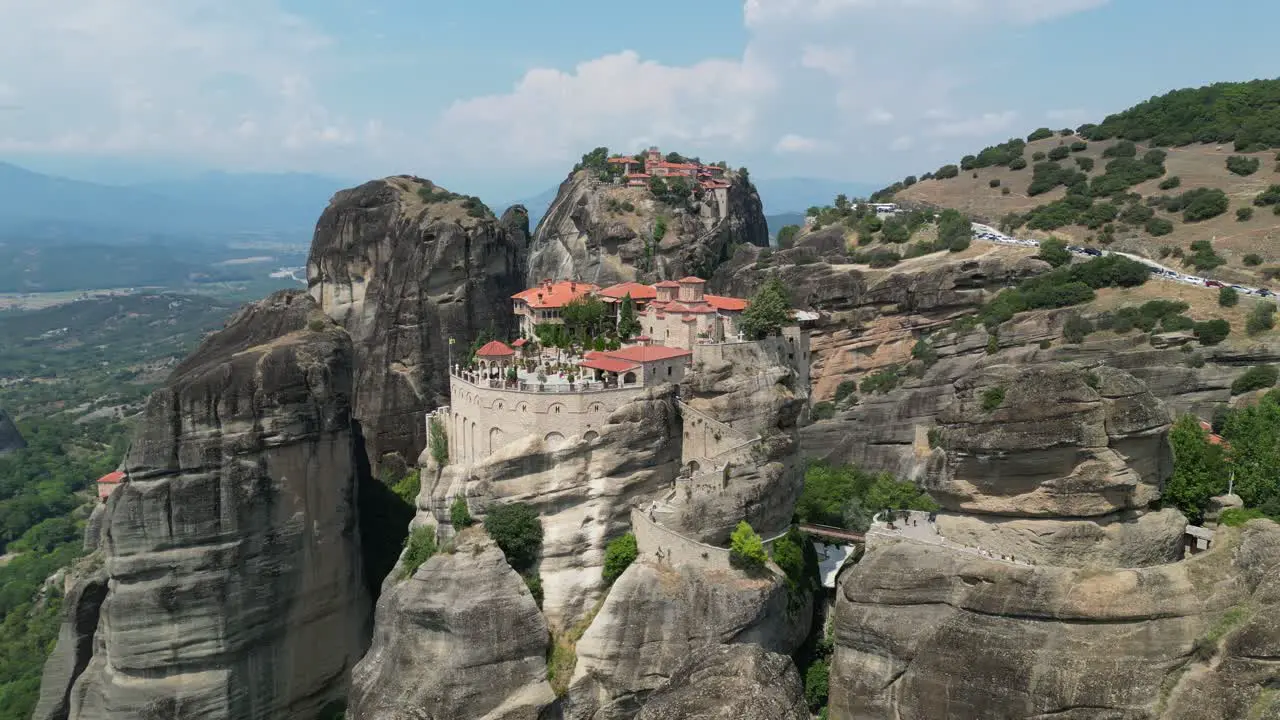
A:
[921,526]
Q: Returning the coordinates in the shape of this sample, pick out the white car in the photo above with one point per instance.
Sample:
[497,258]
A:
[1193,279]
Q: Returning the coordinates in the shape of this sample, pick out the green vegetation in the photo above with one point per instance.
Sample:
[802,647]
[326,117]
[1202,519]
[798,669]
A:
[628,325]
[1199,470]
[787,236]
[1255,378]
[881,381]
[1043,133]
[1198,204]
[1059,153]
[1244,166]
[1235,517]
[746,549]
[439,441]
[1228,297]
[459,515]
[1076,329]
[517,530]
[1171,183]
[1212,332]
[1046,176]
[1253,432]
[848,497]
[618,556]
[817,680]
[419,547]
[992,398]
[1261,318]
[993,182]
[1065,286]
[1054,252]
[955,231]
[1252,260]
[1270,196]
[1244,214]
[1203,257]
[1145,317]
[407,487]
[1158,227]
[769,310]
[1079,146]
[845,389]
[586,318]
[824,410]
[1085,164]
[946,172]
[1247,113]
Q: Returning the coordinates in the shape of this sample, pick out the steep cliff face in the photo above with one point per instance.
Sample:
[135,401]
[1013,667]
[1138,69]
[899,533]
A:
[232,552]
[583,491]
[730,682]
[602,233]
[926,633]
[404,266]
[657,616]
[10,438]
[462,638]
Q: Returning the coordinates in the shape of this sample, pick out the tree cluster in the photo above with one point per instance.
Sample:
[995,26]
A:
[1245,113]
[848,497]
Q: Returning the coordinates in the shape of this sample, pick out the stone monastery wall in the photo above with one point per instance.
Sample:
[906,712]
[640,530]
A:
[485,419]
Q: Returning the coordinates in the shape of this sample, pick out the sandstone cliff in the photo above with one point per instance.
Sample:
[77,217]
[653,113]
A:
[231,553]
[925,633]
[730,682]
[10,438]
[404,266]
[602,233]
[462,638]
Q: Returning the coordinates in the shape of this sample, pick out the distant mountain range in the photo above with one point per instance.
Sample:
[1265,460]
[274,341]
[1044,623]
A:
[785,198]
[212,205]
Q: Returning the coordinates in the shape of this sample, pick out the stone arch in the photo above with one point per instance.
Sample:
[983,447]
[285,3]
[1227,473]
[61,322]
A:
[497,405]
[629,378]
[555,409]
[554,440]
[596,407]
[475,442]
[495,439]
[523,407]
[693,466]
[590,435]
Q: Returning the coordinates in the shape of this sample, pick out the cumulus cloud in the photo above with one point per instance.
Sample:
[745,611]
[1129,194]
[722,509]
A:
[792,143]
[762,13]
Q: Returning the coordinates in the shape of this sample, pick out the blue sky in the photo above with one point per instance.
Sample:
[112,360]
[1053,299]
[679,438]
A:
[498,98]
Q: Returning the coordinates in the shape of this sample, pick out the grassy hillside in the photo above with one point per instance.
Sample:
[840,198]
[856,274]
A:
[1187,167]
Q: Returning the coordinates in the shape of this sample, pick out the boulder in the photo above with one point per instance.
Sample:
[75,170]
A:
[406,266]
[730,682]
[232,549]
[461,638]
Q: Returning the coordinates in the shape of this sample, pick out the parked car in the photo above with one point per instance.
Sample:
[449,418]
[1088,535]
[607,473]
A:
[1095,252]
[1212,283]
[1265,292]
[1193,279]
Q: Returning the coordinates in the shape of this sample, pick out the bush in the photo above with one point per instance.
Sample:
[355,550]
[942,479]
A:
[419,547]
[1241,165]
[824,410]
[1136,214]
[1054,252]
[1059,153]
[1122,149]
[881,381]
[1244,214]
[407,487]
[1085,164]
[439,441]
[1076,329]
[1253,259]
[788,555]
[459,515]
[1228,297]
[618,556]
[1043,133]
[1199,204]
[992,398]
[993,182]
[1270,196]
[1004,190]
[746,549]
[1202,256]
[1079,146]
[1176,323]
[1255,378]
[1212,332]
[517,530]
[1018,163]
[845,389]
[1261,318]
[817,685]
[1158,227]
[317,325]
[946,172]
[533,581]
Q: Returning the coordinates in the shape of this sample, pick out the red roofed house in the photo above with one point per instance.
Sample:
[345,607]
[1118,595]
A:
[494,358]
[542,304]
[108,483]
[639,365]
[1214,438]
[682,314]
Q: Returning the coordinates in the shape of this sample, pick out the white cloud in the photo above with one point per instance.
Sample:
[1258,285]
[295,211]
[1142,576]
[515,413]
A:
[901,143]
[792,143]
[831,60]
[762,13]
[980,126]
[879,116]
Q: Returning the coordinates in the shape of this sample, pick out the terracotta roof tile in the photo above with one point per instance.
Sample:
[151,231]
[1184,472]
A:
[647,353]
[720,302]
[556,295]
[608,364]
[691,280]
[495,348]
[638,291]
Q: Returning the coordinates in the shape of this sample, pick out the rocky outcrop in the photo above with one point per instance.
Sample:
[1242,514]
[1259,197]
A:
[232,550]
[10,438]
[656,616]
[602,233]
[730,682]
[583,490]
[86,588]
[405,266]
[461,638]
[1195,639]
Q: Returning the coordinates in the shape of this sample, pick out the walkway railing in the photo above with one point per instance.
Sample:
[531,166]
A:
[927,533]
[529,387]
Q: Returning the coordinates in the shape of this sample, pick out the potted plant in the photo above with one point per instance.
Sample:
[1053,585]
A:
[571,378]
[542,382]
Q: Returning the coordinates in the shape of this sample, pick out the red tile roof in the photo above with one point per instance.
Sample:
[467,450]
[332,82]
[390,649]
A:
[555,295]
[495,348]
[608,364]
[111,478]
[647,353]
[519,343]
[638,291]
[691,280]
[720,302]
[668,283]
[621,160]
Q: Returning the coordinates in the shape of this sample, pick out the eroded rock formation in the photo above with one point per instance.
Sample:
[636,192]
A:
[730,682]
[231,552]
[404,266]
[461,638]
[589,233]
[10,438]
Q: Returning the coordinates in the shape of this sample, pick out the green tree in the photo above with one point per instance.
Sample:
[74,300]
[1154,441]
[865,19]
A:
[585,317]
[1241,165]
[746,549]
[1199,469]
[459,515]
[517,530]
[628,326]
[787,236]
[1054,252]
[769,310]
[1254,434]
[439,441]
[955,231]
[1228,297]
[1255,378]
[817,685]
[618,556]
[1261,318]
[1212,332]
[419,547]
